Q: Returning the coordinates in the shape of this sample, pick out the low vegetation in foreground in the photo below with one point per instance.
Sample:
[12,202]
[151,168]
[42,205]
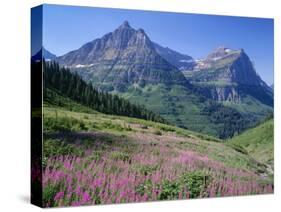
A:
[93,158]
[258,142]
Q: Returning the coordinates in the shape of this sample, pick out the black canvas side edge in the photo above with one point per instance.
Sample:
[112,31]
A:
[36,105]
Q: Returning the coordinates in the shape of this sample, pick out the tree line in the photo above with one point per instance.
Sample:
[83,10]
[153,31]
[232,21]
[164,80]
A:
[230,120]
[71,85]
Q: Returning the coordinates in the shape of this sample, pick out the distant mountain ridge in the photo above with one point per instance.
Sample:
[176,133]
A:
[43,53]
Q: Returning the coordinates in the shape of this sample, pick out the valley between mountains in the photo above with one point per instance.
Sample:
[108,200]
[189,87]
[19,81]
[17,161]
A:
[128,120]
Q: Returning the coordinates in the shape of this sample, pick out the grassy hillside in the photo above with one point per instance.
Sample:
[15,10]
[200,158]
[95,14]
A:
[258,142]
[177,104]
[94,158]
[184,108]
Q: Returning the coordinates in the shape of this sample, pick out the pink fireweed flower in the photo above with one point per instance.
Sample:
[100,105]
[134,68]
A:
[82,180]
[59,195]
[76,203]
[97,183]
[86,197]
[67,165]
[69,180]
[78,190]
[145,197]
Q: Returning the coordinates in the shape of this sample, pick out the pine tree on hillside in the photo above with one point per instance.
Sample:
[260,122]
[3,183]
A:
[74,87]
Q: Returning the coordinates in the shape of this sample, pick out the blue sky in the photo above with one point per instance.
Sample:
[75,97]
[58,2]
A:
[66,28]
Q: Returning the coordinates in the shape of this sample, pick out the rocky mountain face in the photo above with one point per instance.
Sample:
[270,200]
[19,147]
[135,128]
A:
[120,59]
[181,61]
[272,87]
[229,75]
[233,66]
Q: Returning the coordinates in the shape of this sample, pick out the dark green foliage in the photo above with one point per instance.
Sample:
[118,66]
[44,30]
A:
[259,92]
[95,156]
[114,126]
[269,117]
[157,132]
[74,87]
[170,190]
[238,148]
[167,128]
[54,148]
[52,98]
[120,156]
[145,188]
[64,124]
[230,120]
[148,169]
[49,193]
[196,182]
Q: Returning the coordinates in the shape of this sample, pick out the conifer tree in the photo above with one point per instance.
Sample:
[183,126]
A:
[71,85]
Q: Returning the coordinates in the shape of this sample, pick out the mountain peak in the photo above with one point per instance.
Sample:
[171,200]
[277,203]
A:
[123,58]
[125,24]
[140,30]
[221,51]
[221,48]
[231,66]
[43,53]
